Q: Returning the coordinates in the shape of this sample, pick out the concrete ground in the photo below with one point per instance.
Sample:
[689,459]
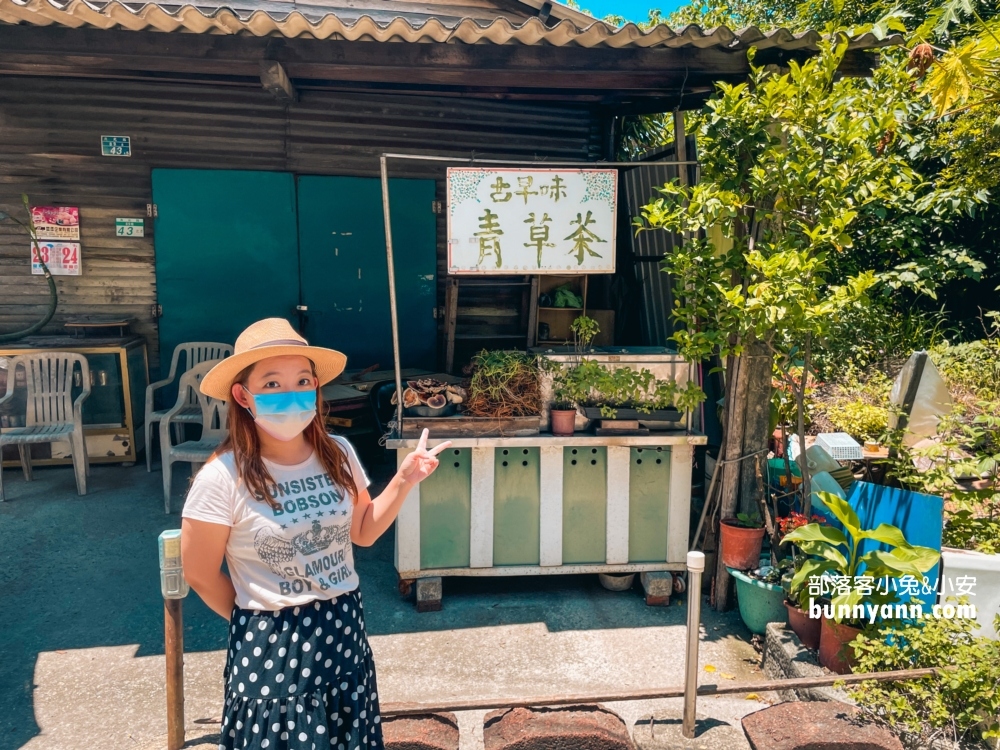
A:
[81,653]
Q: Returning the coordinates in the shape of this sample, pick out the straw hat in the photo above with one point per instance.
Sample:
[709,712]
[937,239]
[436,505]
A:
[271,337]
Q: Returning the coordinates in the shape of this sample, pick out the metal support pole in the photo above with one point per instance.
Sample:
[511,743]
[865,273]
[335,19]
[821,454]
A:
[695,566]
[173,639]
[392,292]
[174,588]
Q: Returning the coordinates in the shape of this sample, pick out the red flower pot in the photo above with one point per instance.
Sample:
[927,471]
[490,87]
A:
[563,422]
[805,627]
[834,652]
[740,546]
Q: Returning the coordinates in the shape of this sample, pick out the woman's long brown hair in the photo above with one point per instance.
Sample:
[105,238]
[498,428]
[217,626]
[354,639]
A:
[244,442]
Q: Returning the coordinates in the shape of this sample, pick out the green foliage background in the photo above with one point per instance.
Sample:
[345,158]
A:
[954,269]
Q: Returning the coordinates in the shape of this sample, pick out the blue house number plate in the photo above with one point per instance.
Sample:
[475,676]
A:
[116,145]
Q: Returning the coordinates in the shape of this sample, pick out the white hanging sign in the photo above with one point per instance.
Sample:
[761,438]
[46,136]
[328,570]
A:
[531,221]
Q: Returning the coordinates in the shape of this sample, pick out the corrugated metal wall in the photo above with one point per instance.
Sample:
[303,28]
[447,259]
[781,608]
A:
[50,149]
[648,249]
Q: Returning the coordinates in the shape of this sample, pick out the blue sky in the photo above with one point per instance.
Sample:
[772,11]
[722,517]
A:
[633,10]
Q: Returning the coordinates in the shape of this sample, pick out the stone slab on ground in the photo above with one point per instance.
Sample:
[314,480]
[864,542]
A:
[786,658]
[421,732]
[827,725]
[568,728]
[664,732]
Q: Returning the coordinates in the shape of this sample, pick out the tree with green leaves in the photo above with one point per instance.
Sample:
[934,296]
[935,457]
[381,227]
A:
[795,166]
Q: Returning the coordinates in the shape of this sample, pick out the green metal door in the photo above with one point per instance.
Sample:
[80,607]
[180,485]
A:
[226,253]
[344,274]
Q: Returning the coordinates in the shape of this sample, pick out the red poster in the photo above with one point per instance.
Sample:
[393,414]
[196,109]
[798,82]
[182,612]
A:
[56,222]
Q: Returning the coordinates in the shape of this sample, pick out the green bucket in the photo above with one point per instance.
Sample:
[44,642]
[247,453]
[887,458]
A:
[760,603]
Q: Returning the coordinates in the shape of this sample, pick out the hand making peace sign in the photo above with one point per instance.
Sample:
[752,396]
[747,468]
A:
[420,464]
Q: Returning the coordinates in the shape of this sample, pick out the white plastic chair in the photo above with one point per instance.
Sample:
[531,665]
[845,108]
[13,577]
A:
[195,353]
[52,414]
[214,417]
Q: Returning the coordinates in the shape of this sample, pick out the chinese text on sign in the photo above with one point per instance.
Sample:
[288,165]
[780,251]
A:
[537,221]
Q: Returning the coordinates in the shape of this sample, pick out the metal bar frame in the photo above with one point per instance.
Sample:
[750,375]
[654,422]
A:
[795,683]
[472,161]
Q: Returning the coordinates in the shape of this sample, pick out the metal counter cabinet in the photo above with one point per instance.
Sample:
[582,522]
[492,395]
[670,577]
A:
[544,505]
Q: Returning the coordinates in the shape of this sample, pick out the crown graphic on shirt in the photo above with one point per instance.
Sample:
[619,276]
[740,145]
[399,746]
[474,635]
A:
[320,537]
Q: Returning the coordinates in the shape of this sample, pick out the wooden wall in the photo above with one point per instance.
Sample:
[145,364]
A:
[50,149]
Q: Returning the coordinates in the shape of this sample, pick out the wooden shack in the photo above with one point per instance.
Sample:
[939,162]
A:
[254,133]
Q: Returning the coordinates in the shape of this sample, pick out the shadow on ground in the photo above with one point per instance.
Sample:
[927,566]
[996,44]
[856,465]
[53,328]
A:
[80,572]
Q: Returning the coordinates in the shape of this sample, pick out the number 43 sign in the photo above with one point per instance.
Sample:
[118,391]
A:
[61,258]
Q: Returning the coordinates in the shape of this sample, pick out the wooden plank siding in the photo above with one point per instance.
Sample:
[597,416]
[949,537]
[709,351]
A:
[50,132]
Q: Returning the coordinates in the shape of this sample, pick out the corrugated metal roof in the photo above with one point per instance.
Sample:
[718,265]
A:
[396,22]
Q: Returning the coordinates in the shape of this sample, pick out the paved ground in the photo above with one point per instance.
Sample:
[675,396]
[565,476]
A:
[81,655]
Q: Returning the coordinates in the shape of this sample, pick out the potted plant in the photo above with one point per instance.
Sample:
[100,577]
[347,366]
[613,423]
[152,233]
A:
[833,552]
[760,595]
[740,540]
[584,331]
[562,414]
[797,591]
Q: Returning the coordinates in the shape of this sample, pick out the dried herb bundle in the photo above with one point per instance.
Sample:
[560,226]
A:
[502,385]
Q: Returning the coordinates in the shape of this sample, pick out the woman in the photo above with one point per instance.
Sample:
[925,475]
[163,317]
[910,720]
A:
[282,502]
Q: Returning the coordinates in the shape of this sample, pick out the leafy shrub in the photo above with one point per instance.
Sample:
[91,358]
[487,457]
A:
[877,336]
[973,367]
[861,420]
[859,405]
[962,704]
[974,529]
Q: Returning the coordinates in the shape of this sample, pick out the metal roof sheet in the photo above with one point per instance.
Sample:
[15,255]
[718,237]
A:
[398,22]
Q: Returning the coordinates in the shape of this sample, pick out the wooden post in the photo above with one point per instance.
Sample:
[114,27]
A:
[173,647]
[680,147]
[757,417]
[533,312]
[450,322]
[736,385]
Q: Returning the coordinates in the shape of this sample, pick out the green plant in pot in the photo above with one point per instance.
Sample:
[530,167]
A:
[761,596]
[797,590]
[832,552]
[740,541]
[569,388]
[584,331]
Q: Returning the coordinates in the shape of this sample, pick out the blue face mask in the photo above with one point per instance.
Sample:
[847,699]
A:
[284,415]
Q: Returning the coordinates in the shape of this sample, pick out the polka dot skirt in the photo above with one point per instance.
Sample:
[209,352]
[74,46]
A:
[301,678]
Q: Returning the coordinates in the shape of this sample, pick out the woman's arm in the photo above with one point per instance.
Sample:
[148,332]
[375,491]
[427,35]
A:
[373,517]
[203,546]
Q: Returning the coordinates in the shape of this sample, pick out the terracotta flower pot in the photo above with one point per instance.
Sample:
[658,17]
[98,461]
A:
[804,626]
[740,546]
[563,422]
[777,444]
[834,653]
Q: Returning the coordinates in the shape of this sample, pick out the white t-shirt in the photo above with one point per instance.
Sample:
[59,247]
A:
[291,555]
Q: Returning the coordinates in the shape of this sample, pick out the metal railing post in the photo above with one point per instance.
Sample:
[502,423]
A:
[174,588]
[695,566]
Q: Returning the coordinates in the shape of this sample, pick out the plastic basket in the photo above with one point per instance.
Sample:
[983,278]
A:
[840,446]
